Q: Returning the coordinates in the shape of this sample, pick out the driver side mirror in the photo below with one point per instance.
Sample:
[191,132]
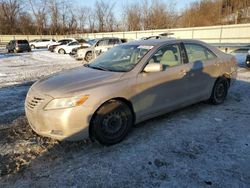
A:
[153,67]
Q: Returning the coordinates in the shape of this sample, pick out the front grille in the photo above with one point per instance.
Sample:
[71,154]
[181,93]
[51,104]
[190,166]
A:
[33,102]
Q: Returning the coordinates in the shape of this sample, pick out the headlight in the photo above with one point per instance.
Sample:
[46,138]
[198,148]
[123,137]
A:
[66,102]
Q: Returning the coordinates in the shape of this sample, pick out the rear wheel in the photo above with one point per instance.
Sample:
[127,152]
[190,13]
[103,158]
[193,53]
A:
[32,47]
[112,122]
[61,51]
[220,91]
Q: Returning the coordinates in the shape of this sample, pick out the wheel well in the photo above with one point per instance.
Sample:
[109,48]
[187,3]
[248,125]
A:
[127,102]
[88,52]
[227,76]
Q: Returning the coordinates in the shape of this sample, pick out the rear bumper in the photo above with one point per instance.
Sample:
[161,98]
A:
[21,49]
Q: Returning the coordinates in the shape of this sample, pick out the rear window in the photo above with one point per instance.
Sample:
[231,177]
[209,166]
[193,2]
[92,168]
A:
[22,42]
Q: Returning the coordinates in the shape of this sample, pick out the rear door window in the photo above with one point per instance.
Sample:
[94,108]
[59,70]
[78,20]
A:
[196,52]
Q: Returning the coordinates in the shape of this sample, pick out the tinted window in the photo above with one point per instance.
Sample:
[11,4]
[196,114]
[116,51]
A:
[113,41]
[81,40]
[73,43]
[168,56]
[241,50]
[103,42]
[22,42]
[197,52]
[63,42]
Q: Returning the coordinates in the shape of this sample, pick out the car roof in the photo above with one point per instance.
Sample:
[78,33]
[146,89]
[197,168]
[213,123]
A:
[156,42]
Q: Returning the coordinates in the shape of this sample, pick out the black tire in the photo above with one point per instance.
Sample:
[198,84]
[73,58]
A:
[61,51]
[112,122]
[32,47]
[220,91]
[88,57]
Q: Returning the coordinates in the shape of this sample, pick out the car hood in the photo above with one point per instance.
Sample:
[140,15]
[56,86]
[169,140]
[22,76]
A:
[70,82]
[87,49]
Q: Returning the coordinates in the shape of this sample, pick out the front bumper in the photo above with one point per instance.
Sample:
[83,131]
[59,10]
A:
[63,124]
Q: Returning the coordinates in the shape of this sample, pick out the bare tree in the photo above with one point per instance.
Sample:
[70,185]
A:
[82,17]
[54,16]
[104,16]
[133,17]
[9,10]
[64,16]
[39,10]
[25,24]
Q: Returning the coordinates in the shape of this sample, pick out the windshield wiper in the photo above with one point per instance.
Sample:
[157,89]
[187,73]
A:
[97,67]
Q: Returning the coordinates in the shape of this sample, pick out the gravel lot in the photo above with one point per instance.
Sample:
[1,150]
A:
[199,146]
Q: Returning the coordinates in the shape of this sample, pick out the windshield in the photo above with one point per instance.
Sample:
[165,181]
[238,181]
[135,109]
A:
[122,58]
[92,42]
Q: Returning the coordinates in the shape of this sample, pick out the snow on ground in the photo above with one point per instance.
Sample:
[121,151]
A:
[29,66]
[19,71]
[202,145]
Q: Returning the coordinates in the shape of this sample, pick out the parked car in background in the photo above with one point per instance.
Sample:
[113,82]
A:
[73,52]
[41,43]
[33,40]
[160,36]
[128,84]
[98,47]
[241,55]
[18,46]
[81,41]
[248,59]
[67,48]
[53,45]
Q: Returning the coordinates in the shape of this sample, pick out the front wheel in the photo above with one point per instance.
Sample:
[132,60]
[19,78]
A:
[220,91]
[61,51]
[112,122]
[32,47]
[88,56]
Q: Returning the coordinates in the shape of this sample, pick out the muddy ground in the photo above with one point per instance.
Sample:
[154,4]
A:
[201,145]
